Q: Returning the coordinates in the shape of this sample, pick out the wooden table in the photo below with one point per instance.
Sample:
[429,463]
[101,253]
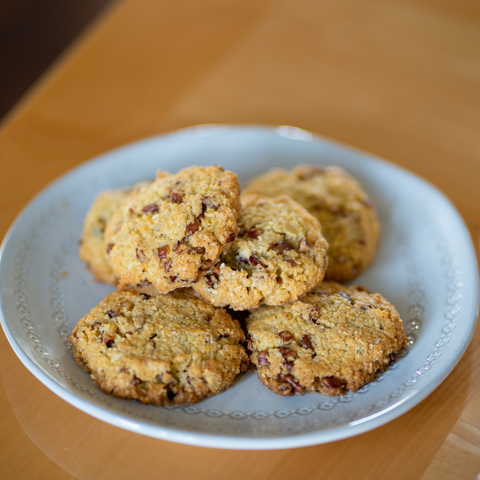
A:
[400,79]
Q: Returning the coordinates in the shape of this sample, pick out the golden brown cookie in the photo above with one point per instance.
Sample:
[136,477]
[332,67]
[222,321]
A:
[167,233]
[159,349]
[278,255]
[92,243]
[331,340]
[346,214]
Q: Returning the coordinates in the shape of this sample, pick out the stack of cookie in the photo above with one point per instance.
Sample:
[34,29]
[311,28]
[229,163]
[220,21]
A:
[266,251]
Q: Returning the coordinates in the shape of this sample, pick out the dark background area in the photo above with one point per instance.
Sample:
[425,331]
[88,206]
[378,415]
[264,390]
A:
[33,33]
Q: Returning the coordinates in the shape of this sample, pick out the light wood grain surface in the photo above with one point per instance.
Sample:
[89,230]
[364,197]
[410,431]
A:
[400,79]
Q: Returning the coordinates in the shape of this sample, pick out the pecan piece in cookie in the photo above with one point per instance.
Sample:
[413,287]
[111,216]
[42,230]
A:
[304,245]
[291,381]
[107,339]
[196,251]
[331,382]
[152,208]
[306,343]
[176,197]
[287,337]
[263,358]
[253,260]
[230,238]
[288,353]
[140,255]
[254,233]
[282,247]
[192,228]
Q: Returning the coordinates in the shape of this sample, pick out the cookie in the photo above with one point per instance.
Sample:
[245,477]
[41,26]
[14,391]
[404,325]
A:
[331,340]
[346,214]
[278,255]
[92,249]
[177,227]
[159,349]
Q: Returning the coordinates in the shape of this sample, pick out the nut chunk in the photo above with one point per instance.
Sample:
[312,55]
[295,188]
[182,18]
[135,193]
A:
[165,234]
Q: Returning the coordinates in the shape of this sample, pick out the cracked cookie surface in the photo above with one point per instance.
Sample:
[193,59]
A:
[167,233]
[159,349]
[331,340]
[92,249]
[346,214]
[278,255]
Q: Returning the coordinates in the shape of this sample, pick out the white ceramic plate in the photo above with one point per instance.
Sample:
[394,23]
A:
[426,267]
